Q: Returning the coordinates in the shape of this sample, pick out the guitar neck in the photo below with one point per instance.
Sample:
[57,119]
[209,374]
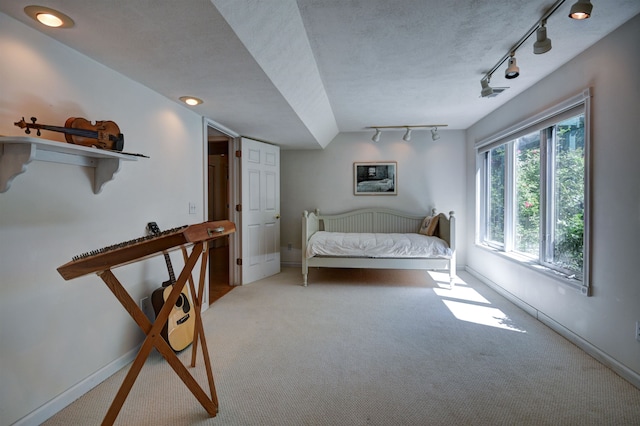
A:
[167,260]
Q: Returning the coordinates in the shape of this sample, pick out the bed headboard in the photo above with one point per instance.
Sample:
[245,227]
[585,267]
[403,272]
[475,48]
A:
[374,220]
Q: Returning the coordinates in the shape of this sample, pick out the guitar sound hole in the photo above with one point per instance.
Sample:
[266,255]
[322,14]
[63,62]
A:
[180,301]
[183,302]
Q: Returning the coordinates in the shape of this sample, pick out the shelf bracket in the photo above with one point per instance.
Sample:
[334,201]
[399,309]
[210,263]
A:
[105,171]
[13,161]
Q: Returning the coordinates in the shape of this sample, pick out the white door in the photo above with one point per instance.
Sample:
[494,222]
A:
[260,211]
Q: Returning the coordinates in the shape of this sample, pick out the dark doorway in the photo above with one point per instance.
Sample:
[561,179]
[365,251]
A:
[218,209]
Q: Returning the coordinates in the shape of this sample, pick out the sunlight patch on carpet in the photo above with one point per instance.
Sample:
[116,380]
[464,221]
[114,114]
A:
[470,306]
[483,315]
[461,293]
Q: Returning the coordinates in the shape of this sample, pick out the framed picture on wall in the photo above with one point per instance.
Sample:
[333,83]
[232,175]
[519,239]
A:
[375,178]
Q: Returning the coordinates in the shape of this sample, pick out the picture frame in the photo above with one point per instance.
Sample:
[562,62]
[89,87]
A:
[375,178]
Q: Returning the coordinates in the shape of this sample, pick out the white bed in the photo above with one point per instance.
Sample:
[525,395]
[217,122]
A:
[377,239]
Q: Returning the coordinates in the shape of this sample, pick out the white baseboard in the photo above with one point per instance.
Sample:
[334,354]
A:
[620,369]
[58,403]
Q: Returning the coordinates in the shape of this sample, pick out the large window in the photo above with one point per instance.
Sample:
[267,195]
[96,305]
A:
[533,192]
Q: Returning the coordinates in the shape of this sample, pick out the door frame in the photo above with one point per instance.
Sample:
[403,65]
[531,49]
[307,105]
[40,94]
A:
[234,241]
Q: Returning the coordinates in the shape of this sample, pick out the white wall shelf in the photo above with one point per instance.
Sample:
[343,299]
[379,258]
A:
[16,152]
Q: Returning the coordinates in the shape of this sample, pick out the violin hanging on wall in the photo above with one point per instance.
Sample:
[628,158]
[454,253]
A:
[80,131]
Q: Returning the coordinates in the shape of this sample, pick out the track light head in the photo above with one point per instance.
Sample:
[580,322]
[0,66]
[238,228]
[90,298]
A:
[581,10]
[434,134]
[486,89]
[407,135]
[512,70]
[376,137]
[542,44]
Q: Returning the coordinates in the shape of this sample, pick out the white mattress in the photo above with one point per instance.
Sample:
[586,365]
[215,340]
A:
[343,244]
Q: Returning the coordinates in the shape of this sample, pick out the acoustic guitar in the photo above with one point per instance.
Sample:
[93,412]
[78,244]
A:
[178,331]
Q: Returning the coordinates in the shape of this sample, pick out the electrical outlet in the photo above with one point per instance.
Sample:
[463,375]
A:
[192,208]
[145,305]
[638,331]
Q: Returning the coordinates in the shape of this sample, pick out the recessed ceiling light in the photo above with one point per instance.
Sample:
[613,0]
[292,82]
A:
[49,17]
[190,100]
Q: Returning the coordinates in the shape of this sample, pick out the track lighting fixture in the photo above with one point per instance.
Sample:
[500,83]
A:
[542,44]
[486,89]
[407,135]
[581,10]
[512,70]
[376,137]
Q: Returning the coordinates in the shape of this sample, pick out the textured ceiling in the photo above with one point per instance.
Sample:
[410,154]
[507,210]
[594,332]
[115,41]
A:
[298,72]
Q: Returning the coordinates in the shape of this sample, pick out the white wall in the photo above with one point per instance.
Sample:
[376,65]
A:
[56,333]
[430,174]
[607,319]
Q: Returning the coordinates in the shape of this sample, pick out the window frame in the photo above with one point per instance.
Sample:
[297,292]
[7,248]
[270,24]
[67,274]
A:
[578,104]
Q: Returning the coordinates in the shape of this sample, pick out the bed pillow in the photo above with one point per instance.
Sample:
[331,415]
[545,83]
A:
[428,226]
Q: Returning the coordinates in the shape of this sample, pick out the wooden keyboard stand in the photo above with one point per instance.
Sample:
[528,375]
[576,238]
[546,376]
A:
[102,263]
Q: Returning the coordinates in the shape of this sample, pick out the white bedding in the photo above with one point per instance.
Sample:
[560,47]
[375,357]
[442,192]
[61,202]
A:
[342,244]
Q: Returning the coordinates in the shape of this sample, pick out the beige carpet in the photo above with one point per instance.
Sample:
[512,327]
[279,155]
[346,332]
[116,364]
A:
[362,347]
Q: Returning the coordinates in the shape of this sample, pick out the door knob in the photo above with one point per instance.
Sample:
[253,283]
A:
[278,216]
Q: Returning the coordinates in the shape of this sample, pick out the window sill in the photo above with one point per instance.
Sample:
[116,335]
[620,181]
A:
[532,264]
